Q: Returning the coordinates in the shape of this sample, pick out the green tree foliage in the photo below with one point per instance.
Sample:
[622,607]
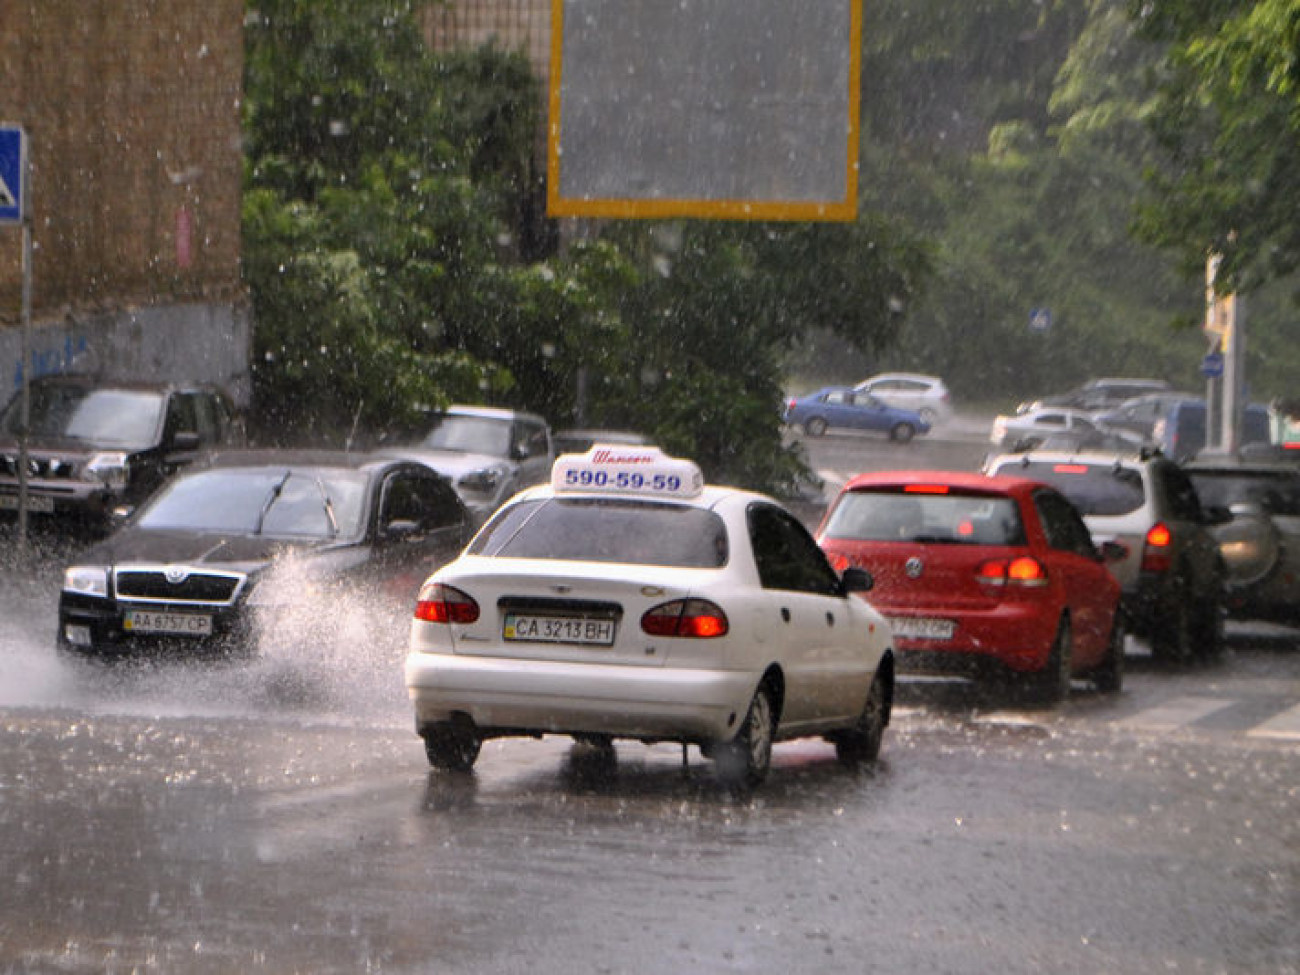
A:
[1228,117]
[397,260]
[382,191]
[1020,159]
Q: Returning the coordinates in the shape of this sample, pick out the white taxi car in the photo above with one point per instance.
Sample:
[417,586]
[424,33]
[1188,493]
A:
[627,599]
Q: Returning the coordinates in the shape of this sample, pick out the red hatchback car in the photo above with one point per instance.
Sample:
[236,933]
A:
[982,576]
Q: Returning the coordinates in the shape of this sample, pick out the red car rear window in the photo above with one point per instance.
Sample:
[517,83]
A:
[959,519]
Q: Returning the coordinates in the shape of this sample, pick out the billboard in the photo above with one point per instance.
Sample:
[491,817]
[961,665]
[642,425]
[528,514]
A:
[732,109]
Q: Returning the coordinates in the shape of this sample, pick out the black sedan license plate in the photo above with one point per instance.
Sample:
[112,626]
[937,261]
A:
[182,624]
[559,629]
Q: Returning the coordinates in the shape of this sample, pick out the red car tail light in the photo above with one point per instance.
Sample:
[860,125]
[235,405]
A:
[1157,553]
[926,489]
[1022,571]
[992,573]
[696,618]
[1025,571]
[445,604]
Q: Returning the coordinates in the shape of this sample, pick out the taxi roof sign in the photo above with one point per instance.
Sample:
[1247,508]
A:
[627,470]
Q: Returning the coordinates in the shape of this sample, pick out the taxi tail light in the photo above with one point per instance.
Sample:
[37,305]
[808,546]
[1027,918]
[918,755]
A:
[697,618]
[445,604]
[1023,571]
[1157,553]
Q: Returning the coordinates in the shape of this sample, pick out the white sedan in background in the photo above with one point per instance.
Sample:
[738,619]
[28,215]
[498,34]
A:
[928,395]
[1024,431]
[627,599]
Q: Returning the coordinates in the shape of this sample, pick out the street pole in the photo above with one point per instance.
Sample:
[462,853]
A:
[1234,374]
[25,415]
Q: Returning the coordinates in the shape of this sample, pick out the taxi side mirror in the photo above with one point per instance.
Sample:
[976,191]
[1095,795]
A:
[856,579]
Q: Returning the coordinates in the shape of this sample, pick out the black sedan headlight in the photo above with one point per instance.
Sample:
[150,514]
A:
[86,580]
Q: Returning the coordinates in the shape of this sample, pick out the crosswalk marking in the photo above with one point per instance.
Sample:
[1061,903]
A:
[1284,725]
[1175,713]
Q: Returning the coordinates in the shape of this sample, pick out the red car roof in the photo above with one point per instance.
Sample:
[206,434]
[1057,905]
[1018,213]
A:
[962,480]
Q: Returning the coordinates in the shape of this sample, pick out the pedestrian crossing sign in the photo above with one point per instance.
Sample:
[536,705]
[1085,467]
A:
[13,167]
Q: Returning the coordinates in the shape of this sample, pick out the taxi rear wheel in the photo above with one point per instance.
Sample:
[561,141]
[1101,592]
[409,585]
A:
[450,748]
[862,742]
[744,761]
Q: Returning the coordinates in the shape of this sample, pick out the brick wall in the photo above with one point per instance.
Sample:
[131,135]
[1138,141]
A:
[132,115]
[514,25]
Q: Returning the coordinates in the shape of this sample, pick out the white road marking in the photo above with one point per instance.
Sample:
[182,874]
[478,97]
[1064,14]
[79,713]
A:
[1284,725]
[1176,713]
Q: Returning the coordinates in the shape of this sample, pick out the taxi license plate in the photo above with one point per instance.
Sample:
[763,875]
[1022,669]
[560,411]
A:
[559,629]
[182,624]
[913,628]
[35,502]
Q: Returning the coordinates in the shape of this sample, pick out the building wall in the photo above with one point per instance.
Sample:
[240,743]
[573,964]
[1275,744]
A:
[131,109]
[513,25]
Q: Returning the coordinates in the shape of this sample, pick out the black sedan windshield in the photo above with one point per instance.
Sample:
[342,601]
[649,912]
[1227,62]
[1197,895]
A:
[267,501]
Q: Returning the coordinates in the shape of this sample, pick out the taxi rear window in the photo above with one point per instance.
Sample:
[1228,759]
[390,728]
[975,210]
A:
[606,530]
[894,516]
[1095,489]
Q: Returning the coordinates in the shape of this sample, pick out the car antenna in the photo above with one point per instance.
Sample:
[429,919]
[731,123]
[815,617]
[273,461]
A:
[352,434]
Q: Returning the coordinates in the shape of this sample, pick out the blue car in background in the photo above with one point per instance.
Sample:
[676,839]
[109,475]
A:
[844,408]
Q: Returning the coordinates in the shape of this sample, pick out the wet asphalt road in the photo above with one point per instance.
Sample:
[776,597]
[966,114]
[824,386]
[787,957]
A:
[278,816]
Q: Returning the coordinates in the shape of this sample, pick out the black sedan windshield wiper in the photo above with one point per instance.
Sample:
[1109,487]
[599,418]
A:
[329,506]
[271,497]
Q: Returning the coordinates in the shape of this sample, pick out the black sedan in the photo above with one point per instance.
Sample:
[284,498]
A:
[216,555]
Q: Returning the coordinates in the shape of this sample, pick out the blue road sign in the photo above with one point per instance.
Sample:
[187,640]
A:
[1040,319]
[1212,365]
[13,167]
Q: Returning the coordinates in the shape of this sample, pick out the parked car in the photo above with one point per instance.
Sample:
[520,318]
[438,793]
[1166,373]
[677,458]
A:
[1097,394]
[927,395]
[1025,431]
[1180,433]
[843,408]
[97,445]
[1079,438]
[985,577]
[1171,573]
[221,551]
[627,599]
[1140,414]
[1260,542]
[579,441]
[487,453]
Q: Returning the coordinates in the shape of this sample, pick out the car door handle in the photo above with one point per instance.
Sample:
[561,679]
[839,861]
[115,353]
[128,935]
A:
[785,615]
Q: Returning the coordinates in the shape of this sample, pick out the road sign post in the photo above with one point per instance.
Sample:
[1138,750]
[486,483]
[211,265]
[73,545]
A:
[14,210]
